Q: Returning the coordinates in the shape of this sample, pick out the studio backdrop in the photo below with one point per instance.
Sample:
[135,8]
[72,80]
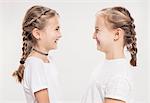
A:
[76,56]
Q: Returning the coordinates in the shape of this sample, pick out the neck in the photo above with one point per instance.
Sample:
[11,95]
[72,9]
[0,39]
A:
[41,52]
[115,54]
[41,49]
[35,53]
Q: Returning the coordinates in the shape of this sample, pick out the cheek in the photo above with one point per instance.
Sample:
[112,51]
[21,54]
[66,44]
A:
[98,37]
[101,37]
[51,36]
[104,38]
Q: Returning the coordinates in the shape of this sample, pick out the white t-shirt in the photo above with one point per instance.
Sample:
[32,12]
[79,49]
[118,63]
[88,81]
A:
[111,79]
[39,75]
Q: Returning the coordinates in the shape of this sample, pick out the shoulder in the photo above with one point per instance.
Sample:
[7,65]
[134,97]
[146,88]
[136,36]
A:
[34,64]
[33,60]
[119,78]
[119,81]
[118,87]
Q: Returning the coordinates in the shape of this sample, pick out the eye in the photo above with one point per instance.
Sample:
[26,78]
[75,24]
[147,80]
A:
[97,30]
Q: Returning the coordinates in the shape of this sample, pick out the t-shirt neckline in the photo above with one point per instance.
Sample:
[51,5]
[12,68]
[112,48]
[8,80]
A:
[115,60]
[40,59]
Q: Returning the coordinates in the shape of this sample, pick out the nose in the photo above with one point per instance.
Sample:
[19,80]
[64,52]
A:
[94,35]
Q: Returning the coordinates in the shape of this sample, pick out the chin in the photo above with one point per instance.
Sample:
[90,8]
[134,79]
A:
[55,47]
[100,49]
[52,48]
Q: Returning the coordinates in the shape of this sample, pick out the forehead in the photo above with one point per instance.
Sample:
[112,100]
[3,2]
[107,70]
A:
[100,20]
[53,22]
[101,23]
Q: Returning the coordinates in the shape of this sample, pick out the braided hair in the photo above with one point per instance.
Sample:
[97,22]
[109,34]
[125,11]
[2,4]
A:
[120,17]
[36,17]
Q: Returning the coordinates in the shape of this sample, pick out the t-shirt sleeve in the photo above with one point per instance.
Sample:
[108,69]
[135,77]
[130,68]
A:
[118,88]
[37,77]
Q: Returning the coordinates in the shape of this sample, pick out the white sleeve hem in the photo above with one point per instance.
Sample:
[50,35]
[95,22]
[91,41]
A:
[116,97]
[39,88]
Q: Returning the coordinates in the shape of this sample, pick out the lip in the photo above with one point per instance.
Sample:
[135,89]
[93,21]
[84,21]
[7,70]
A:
[56,40]
[98,42]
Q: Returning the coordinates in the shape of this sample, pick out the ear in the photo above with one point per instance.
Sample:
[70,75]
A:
[118,33]
[36,33]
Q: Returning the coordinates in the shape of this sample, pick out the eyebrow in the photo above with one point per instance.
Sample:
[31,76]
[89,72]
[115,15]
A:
[96,27]
[58,27]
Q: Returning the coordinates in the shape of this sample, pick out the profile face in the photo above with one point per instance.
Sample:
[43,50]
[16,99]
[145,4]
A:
[51,33]
[103,35]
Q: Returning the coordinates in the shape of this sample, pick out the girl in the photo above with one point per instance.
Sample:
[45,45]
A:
[111,82]
[37,72]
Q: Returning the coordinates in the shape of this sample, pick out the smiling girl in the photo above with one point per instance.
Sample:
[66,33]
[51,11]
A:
[111,82]
[37,72]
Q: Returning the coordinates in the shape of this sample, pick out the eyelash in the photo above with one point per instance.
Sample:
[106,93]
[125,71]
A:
[57,29]
[97,30]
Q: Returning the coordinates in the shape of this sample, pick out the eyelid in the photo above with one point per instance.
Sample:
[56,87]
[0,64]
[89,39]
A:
[97,29]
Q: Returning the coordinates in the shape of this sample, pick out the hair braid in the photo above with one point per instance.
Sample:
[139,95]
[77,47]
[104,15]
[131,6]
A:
[36,17]
[120,17]
[130,39]
[26,49]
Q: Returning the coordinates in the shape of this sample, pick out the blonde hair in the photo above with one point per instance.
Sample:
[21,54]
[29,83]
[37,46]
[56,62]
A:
[35,17]
[120,17]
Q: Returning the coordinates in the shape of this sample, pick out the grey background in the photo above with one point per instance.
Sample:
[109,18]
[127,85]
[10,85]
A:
[76,56]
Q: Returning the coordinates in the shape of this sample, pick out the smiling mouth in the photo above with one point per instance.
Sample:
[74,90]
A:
[98,42]
[56,40]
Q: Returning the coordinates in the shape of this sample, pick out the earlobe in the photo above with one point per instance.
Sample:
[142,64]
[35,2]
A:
[118,34]
[36,33]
